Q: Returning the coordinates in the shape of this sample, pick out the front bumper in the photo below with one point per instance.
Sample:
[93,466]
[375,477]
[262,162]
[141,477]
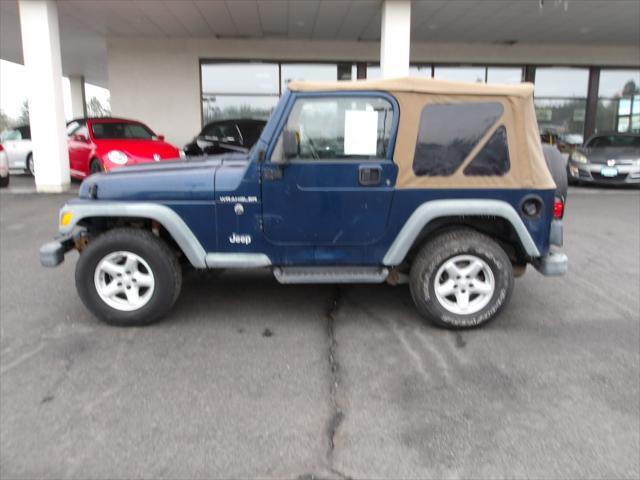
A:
[52,253]
[552,264]
[592,173]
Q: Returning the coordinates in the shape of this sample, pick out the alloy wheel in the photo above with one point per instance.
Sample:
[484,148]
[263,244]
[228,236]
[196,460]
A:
[464,284]
[124,281]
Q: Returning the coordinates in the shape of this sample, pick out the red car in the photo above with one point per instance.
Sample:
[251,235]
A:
[101,144]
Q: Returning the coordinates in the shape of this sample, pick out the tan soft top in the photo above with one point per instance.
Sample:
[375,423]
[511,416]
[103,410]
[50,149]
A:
[417,85]
[528,168]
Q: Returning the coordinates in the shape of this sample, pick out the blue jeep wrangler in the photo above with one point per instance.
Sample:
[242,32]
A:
[441,185]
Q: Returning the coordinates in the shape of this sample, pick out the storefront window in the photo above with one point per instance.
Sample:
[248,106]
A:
[239,90]
[462,74]
[618,101]
[308,71]
[374,73]
[561,100]
[252,89]
[504,75]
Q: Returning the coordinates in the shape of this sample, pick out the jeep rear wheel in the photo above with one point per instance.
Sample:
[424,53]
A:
[128,277]
[461,279]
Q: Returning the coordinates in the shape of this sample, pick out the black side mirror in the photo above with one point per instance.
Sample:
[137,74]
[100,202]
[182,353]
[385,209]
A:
[290,145]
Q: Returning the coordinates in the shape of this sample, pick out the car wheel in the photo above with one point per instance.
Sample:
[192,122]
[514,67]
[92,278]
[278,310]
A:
[95,167]
[30,165]
[4,181]
[128,277]
[461,279]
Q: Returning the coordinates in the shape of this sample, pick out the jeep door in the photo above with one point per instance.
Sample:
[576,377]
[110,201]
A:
[328,178]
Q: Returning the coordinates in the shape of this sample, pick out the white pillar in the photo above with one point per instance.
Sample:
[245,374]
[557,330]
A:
[41,51]
[395,38]
[78,101]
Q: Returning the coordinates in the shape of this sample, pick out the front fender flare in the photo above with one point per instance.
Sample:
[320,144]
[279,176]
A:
[162,214]
[429,211]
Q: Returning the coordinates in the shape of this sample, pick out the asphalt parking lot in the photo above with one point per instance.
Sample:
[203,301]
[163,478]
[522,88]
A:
[248,378]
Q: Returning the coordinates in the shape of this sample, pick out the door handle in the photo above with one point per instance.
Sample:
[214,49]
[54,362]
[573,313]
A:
[369,175]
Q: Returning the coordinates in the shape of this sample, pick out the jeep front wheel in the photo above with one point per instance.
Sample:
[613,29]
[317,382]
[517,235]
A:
[128,277]
[461,279]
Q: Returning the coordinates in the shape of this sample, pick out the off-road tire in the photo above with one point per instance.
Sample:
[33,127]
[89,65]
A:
[435,252]
[4,181]
[162,261]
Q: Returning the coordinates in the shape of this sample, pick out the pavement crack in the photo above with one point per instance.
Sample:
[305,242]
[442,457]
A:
[336,416]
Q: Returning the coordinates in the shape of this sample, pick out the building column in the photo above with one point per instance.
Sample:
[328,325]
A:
[395,38]
[361,70]
[529,74]
[591,109]
[78,100]
[41,52]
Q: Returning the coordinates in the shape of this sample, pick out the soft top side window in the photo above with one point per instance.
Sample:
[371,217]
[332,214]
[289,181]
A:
[336,128]
[493,158]
[448,132]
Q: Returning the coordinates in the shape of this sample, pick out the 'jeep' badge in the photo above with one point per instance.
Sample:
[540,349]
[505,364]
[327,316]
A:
[156,157]
[240,239]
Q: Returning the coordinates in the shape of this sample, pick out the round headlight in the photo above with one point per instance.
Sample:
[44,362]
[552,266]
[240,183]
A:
[117,157]
[579,157]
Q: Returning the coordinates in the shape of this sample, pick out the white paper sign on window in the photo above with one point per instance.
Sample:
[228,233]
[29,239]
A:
[360,132]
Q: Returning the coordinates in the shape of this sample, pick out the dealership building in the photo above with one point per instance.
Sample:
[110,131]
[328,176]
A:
[177,64]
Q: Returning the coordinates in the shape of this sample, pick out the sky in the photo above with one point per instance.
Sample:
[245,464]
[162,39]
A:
[13,90]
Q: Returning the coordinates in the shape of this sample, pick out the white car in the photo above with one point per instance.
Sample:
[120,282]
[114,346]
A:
[17,144]
[4,168]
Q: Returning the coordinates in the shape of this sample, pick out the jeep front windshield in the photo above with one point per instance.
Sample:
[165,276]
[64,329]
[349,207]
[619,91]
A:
[121,131]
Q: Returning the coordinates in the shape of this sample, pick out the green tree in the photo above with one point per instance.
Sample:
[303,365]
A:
[96,109]
[23,119]
[5,121]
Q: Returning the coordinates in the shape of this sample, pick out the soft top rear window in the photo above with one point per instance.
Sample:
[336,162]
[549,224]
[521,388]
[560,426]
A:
[448,132]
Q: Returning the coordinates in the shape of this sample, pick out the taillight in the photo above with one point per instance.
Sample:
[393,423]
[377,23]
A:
[558,208]
[1,147]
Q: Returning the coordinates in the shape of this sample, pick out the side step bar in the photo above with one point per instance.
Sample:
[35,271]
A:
[330,274]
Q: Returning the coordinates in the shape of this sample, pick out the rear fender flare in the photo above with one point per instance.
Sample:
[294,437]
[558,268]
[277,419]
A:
[432,210]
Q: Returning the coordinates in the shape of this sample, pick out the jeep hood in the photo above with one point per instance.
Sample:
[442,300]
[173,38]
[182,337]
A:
[191,179]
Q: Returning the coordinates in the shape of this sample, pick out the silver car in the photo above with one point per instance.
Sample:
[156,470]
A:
[17,144]
[612,159]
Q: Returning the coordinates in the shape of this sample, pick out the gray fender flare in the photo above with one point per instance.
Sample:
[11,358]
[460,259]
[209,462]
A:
[166,217]
[429,211]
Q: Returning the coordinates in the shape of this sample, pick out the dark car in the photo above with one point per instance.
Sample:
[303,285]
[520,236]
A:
[612,158]
[226,136]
